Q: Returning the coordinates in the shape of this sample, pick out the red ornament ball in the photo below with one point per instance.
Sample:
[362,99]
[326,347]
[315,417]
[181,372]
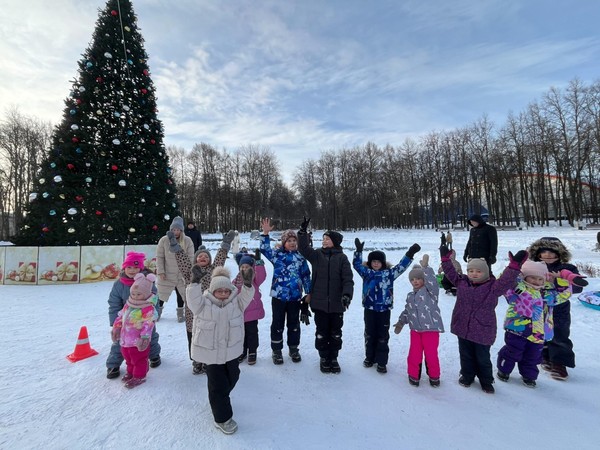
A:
[99,79]
[114,13]
[45,229]
[145,72]
[144,91]
[78,198]
[152,141]
[154,227]
[114,167]
[70,166]
[98,213]
[75,140]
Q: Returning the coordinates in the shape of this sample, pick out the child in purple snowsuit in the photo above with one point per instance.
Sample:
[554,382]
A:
[474,314]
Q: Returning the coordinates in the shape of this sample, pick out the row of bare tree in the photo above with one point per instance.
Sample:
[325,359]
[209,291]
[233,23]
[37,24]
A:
[543,164]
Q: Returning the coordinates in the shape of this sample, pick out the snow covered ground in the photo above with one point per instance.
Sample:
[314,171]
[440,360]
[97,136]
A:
[50,403]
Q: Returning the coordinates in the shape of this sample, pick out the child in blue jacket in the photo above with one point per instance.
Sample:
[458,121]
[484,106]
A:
[378,300]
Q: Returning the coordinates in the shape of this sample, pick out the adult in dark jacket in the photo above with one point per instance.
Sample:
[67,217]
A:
[332,289]
[192,232]
[558,353]
[483,241]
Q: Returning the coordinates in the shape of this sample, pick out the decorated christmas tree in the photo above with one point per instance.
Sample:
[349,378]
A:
[106,179]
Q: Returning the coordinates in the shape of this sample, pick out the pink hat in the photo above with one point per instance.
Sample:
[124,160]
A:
[534,269]
[143,284]
[134,259]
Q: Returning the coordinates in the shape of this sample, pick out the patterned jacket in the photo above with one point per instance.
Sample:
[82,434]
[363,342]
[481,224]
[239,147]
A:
[378,285]
[119,294]
[474,314]
[290,272]
[528,314]
[136,323]
[422,312]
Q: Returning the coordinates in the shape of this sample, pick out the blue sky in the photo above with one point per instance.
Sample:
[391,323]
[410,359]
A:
[302,77]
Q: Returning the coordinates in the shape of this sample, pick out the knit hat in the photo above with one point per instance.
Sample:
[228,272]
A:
[416,272]
[246,259]
[479,264]
[134,259]
[288,234]
[534,269]
[142,284]
[221,280]
[202,249]
[376,255]
[335,237]
[177,224]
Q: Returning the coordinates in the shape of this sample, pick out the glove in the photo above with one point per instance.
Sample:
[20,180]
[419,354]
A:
[516,261]
[359,245]
[143,343]
[445,253]
[412,250]
[115,333]
[304,311]
[573,278]
[258,258]
[424,261]
[247,276]
[227,240]
[465,258]
[492,260]
[174,246]
[304,224]
[398,327]
[346,301]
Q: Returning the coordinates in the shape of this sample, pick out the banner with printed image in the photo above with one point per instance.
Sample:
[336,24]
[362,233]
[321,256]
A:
[21,265]
[100,263]
[59,265]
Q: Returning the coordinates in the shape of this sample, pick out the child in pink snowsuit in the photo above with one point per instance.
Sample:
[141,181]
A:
[133,328]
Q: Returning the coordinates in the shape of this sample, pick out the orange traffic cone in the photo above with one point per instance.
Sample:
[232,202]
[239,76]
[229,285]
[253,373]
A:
[82,349]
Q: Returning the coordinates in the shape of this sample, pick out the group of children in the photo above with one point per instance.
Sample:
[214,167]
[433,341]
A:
[222,315]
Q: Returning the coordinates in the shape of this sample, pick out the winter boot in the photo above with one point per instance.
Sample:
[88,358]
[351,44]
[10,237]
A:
[228,427]
[488,388]
[463,381]
[559,372]
[180,315]
[434,382]
[546,365]
[127,377]
[367,363]
[335,367]
[242,357]
[134,382]
[381,368]
[413,381]
[502,376]
[155,362]
[251,359]
[325,365]
[113,372]
[295,354]
[277,357]
[528,382]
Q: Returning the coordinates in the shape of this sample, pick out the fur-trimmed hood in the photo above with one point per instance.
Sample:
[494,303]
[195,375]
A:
[552,244]
[388,265]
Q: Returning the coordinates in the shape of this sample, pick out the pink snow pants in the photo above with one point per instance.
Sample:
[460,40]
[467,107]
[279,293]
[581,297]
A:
[137,362]
[423,342]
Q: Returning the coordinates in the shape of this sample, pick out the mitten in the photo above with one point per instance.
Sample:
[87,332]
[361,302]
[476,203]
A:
[398,327]
[517,260]
[412,250]
[227,240]
[115,333]
[304,224]
[143,343]
[424,261]
[445,253]
[258,258]
[174,246]
[346,301]
[247,276]
[304,311]
[573,278]
[465,258]
[359,245]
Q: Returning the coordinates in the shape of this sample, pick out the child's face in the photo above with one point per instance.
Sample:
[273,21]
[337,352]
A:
[137,295]
[202,260]
[535,281]
[245,267]
[222,294]
[291,244]
[548,257]
[376,264]
[475,274]
[417,283]
[327,242]
[131,271]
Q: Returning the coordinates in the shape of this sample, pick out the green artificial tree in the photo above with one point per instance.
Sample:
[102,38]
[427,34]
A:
[106,179]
